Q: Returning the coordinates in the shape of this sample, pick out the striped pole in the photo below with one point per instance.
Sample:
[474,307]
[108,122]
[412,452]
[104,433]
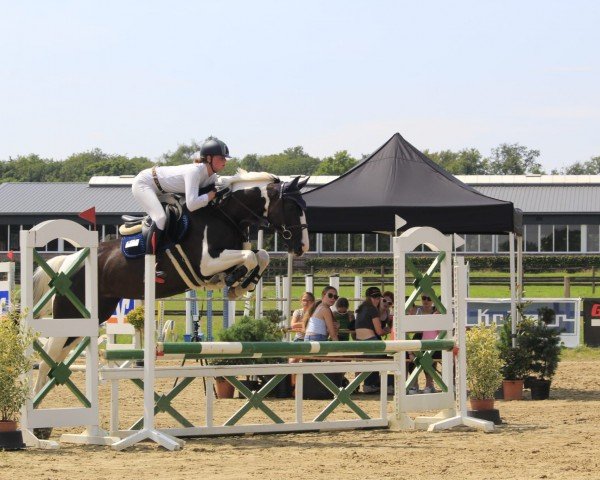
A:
[287,349]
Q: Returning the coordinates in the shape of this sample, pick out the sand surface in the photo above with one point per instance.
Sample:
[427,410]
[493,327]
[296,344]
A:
[556,438]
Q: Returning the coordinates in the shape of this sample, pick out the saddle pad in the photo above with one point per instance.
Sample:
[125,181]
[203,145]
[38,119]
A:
[133,246]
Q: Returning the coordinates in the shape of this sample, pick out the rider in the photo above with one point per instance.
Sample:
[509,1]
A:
[188,179]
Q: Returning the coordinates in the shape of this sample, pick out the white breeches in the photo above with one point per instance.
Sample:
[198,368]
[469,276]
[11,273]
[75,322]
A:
[146,193]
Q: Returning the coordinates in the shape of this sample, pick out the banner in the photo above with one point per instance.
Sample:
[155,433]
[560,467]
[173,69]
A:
[490,310]
[591,322]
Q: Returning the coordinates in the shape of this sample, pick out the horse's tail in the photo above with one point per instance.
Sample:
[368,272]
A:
[41,283]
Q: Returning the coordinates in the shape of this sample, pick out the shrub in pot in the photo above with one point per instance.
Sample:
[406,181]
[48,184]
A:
[483,365]
[15,363]
[247,329]
[543,343]
[515,363]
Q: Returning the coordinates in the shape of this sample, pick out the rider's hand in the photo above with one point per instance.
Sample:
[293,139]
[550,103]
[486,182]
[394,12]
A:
[211,195]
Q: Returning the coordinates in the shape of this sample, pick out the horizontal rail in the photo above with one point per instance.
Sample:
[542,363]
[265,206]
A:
[284,349]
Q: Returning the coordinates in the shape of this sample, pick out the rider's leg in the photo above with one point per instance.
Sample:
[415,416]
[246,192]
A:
[144,191]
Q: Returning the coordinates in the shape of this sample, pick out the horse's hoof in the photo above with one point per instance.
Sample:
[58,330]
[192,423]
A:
[43,433]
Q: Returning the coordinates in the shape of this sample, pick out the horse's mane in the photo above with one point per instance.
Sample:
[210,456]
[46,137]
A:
[243,179]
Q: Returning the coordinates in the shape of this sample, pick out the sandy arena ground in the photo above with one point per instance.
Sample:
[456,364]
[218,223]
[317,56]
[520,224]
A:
[557,438]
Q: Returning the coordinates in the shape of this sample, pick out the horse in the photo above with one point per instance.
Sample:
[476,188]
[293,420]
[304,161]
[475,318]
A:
[213,253]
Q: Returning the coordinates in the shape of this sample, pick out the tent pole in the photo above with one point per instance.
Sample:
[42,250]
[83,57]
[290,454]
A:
[513,300]
[288,294]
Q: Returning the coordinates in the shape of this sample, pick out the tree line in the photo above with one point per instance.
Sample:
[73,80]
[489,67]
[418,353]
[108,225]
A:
[506,159]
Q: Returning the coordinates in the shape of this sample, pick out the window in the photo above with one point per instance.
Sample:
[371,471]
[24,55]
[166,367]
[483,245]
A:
[15,232]
[593,238]
[328,242]
[3,238]
[531,238]
[503,243]
[383,242]
[546,241]
[472,243]
[110,232]
[462,247]
[341,242]
[574,238]
[312,240]
[370,242]
[356,242]
[485,243]
[560,238]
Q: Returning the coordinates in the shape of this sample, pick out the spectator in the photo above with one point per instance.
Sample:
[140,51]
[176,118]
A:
[368,327]
[297,324]
[387,302]
[344,320]
[318,320]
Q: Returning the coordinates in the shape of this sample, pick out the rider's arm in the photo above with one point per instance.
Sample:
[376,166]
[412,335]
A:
[193,178]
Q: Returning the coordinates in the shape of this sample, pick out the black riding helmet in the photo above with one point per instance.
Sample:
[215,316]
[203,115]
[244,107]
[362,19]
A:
[214,146]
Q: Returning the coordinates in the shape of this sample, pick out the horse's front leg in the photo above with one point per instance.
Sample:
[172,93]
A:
[249,283]
[244,260]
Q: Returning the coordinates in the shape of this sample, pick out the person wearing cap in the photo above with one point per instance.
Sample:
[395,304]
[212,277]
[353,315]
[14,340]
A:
[184,179]
[368,327]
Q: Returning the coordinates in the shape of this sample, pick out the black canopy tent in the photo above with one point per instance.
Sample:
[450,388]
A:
[397,179]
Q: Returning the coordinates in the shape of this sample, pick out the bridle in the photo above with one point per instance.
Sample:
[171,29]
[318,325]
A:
[286,231]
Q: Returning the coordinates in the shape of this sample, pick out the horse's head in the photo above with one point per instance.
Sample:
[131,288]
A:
[286,214]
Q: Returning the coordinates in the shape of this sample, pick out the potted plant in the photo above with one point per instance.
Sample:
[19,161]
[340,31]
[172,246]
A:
[15,363]
[516,361]
[543,342]
[246,329]
[136,318]
[483,366]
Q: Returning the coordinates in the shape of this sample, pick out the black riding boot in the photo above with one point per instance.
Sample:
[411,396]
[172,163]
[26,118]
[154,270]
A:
[155,240]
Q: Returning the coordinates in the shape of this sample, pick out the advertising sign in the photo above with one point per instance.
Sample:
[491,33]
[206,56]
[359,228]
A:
[591,322]
[490,310]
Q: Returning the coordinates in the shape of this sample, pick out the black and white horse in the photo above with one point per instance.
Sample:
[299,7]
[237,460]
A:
[212,253]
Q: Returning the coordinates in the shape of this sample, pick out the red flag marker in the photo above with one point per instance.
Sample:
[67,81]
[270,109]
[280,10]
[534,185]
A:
[89,215]
[11,255]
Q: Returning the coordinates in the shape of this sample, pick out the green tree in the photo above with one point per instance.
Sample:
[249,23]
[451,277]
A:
[514,159]
[464,162]
[80,167]
[182,155]
[251,163]
[29,168]
[292,161]
[338,164]
[591,167]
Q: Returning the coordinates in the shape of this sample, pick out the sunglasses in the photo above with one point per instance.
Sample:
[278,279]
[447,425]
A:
[333,295]
[428,299]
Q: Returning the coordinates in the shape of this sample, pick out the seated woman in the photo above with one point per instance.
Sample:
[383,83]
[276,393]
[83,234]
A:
[318,321]
[368,327]
[297,323]
[344,320]
[385,306]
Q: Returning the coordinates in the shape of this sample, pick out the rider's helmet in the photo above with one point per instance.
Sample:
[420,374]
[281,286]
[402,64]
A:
[214,146]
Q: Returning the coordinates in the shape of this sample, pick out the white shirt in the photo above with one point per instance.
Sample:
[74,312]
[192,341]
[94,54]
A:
[188,179]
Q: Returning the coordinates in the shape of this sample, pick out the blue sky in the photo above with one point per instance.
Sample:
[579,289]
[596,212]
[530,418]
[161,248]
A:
[141,77]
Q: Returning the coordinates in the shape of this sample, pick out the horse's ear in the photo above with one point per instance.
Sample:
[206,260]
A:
[293,185]
[303,183]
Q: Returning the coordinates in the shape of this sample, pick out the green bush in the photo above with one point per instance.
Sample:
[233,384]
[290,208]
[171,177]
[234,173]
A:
[248,329]
[15,341]
[483,362]
[544,344]
[516,360]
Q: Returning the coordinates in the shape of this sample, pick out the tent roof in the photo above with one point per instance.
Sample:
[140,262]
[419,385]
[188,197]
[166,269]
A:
[398,179]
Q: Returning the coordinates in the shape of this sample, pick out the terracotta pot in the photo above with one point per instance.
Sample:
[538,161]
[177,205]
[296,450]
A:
[8,425]
[224,388]
[513,389]
[485,404]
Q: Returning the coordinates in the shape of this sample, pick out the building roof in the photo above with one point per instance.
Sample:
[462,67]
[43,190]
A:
[65,199]
[534,194]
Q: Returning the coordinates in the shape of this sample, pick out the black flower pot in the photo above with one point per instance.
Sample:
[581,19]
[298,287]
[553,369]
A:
[11,440]
[540,389]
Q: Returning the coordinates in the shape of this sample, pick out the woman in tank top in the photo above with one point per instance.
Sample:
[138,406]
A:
[318,321]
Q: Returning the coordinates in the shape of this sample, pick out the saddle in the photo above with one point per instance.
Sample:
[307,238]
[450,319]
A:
[136,231]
